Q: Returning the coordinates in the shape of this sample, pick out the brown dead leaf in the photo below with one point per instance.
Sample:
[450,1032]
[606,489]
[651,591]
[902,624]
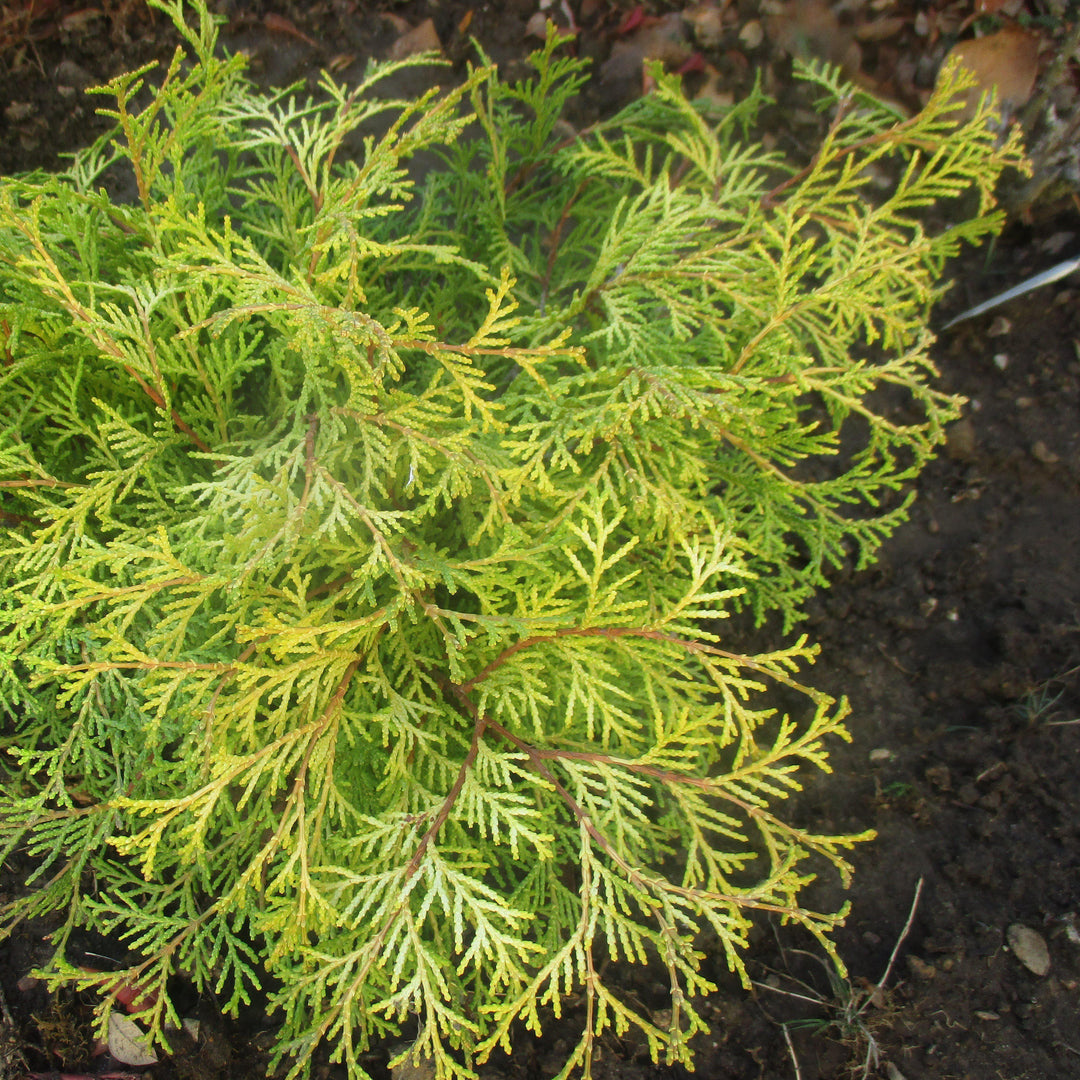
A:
[713,89]
[422,38]
[809,29]
[663,39]
[400,25]
[537,25]
[881,29]
[340,62]
[19,110]
[130,996]
[1005,62]
[278,24]
[76,22]
[405,1068]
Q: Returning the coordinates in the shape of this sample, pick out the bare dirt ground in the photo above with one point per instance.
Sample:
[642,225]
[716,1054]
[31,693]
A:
[959,649]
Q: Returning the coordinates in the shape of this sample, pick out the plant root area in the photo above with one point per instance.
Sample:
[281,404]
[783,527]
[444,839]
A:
[959,649]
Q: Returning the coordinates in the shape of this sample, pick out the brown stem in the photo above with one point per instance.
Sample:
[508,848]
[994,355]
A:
[526,170]
[768,200]
[556,235]
[479,727]
[611,632]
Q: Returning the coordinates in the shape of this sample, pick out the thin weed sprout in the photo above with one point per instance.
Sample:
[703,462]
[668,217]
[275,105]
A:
[846,1003]
[1040,705]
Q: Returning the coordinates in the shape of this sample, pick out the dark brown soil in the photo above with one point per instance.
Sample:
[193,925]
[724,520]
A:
[959,650]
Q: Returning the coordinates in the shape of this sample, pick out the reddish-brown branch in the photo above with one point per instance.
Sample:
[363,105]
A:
[309,462]
[572,631]
[452,795]
[556,235]
[768,200]
[156,397]
[536,763]
[610,632]
[526,170]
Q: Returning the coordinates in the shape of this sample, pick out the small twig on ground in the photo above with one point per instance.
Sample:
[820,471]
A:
[896,948]
[791,1051]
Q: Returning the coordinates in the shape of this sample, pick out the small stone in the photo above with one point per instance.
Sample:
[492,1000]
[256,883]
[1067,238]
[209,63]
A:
[1029,948]
[968,794]
[707,23]
[920,968]
[19,110]
[1001,361]
[1071,932]
[999,327]
[752,34]
[960,440]
[68,73]
[881,756]
[537,25]
[1041,452]
[938,775]
[1053,244]
[983,1014]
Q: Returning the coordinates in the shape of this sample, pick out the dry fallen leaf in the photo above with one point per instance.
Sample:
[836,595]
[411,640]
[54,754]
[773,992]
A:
[1005,62]
[663,39]
[408,1069]
[714,90]
[128,1042]
[422,38]
[131,996]
[400,25]
[537,25]
[809,29]
[881,29]
[77,21]
[278,24]
[340,62]
[1028,945]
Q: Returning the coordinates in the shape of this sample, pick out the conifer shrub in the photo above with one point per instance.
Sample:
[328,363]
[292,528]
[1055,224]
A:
[367,532]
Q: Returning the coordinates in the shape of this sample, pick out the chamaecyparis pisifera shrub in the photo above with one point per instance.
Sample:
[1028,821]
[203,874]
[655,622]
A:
[367,532]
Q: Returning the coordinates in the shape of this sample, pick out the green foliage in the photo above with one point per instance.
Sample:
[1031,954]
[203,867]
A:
[368,521]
